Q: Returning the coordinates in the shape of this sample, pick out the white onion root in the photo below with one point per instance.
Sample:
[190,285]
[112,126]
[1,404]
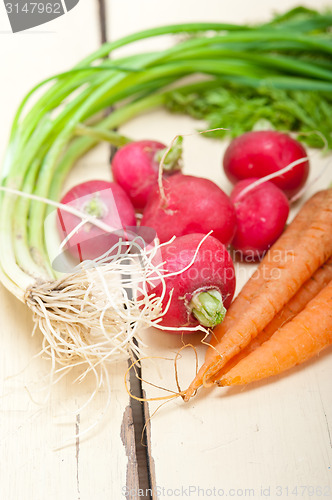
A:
[94,313]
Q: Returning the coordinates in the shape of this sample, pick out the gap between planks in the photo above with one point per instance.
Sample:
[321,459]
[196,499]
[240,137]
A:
[135,433]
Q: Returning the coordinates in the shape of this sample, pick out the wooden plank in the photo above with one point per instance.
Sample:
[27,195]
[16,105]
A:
[264,440]
[36,460]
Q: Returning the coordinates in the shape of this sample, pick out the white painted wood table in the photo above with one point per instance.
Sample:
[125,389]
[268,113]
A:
[262,441]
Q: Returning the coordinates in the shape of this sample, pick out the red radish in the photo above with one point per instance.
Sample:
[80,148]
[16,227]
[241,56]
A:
[103,200]
[202,293]
[192,205]
[135,168]
[261,215]
[260,153]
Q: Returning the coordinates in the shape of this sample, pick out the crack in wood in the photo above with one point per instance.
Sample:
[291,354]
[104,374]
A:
[77,428]
[102,20]
[104,37]
[128,440]
[149,458]
[140,468]
[326,419]
[140,412]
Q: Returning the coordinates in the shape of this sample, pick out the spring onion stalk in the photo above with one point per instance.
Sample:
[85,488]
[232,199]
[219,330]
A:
[291,52]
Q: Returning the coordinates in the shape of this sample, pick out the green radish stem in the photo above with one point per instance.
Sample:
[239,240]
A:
[171,157]
[208,308]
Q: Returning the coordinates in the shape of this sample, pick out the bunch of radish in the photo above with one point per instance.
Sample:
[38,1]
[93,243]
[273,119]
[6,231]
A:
[198,280]
[269,169]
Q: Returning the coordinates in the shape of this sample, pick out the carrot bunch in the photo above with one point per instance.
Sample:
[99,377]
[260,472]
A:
[283,315]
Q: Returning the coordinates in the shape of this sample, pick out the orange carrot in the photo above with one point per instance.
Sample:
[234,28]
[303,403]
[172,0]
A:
[258,303]
[307,292]
[278,254]
[299,340]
